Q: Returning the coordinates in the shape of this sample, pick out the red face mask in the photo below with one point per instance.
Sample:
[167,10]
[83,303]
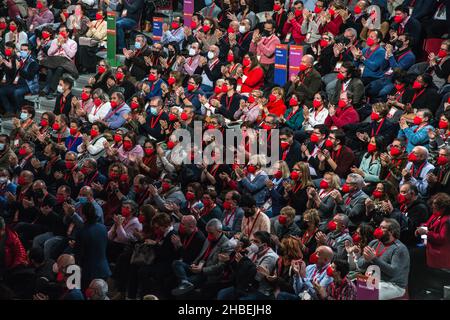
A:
[417,85]
[443,124]
[123,177]
[294,175]
[323,43]
[224,88]
[246,62]
[210,127]
[356,238]
[207,202]
[172,117]
[272,98]
[193,24]
[211,237]
[73,131]
[12,28]
[284,145]
[324,184]
[21,181]
[401,199]
[317,104]
[141,219]
[282,220]
[125,212]
[170,145]
[230,30]
[371,148]
[98,16]
[60,198]
[378,233]
[56,126]
[230,58]
[70,165]
[39,5]
[375,116]
[85,96]
[149,151]
[184,116]
[417,120]
[278,174]
[329,143]
[113,104]
[8,52]
[251,169]
[251,99]
[119,76]
[399,87]
[313,258]
[345,188]
[342,103]
[276,7]
[441,160]
[98,102]
[2,25]
[151,77]
[217,90]
[175,25]
[412,157]
[44,123]
[206,28]
[101,69]
[357,10]
[171,81]
[66,14]
[84,171]
[190,196]
[331,12]
[134,105]
[370,42]
[190,87]
[317,9]
[303,67]
[332,226]
[127,145]
[330,271]
[398,19]
[227,205]
[22,151]
[377,194]
[340,76]
[395,151]
[165,186]
[117,138]
[94,133]
[442,54]
[314,138]
[293,102]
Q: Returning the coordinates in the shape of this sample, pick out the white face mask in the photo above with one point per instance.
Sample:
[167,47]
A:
[242,29]
[210,55]
[192,52]
[60,89]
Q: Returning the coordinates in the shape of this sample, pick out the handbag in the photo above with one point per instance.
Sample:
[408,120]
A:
[89,42]
[143,254]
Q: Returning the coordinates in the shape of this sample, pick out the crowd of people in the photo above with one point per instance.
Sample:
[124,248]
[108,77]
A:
[362,178]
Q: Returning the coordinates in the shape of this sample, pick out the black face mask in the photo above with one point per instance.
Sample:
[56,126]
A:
[249,213]
[384,238]
[39,193]
[398,44]
[171,53]
[266,33]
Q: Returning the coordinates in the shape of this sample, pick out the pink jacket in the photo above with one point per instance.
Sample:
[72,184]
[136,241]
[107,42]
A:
[40,18]
[266,49]
[68,49]
[137,152]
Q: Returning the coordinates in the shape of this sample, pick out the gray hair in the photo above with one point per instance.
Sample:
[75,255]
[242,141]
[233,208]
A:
[144,39]
[357,180]
[344,218]
[158,100]
[214,223]
[394,227]
[422,149]
[352,31]
[100,288]
[310,58]
[101,94]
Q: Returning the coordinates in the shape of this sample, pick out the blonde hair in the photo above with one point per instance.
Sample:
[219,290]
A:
[335,180]
[279,91]
[284,168]
[288,212]
[312,215]
[306,176]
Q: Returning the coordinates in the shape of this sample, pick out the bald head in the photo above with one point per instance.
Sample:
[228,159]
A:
[308,60]
[64,261]
[87,192]
[324,255]
[28,176]
[420,152]
[39,184]
[189,223]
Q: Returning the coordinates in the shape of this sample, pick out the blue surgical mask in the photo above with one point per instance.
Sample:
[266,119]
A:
[23,54]
[23,116]
[154,111]
[137,45]
[82,200]
[208,3]
[2,146]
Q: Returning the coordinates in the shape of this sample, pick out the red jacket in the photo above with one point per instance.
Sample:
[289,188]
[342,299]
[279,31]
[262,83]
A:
[15,254]
[254,81]
[278,108]
[343,117]
[333,26]
[295,27]
[438,242]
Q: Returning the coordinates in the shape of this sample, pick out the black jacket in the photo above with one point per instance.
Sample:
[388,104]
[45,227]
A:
[137,66]
[294,154]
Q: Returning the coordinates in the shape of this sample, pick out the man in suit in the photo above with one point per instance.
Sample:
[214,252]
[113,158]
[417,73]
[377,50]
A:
[404,23]
[316,144]
[135,59]
[207,268]
[353,202]
[289,148]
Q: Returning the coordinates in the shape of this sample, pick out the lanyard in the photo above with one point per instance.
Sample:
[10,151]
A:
[249,232]
[298,187]
[211,10]
[240,41]
[291,114]
[335,293]
[214,170]
[70,144]
[419,170]
[113,112]
[62,103]
[306,237]
[402,55]
[187,242]
[395,164]
[278,18]
[377,252]
[399,94]
[416,95]
[90,181]
[379,128]
[154,121]
[335,154]
[314,277]
[97,108]
[259,256]
[213,64]
[228,102]
[233,68]
[229,215]
[370,52]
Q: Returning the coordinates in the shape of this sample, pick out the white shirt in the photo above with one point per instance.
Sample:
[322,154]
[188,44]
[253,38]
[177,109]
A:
[102,111]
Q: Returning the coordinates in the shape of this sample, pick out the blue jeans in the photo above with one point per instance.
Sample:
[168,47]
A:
[227,294]
[123,24]
[287,296]
[380,88]
[181,271]
[52,245]
[11,96]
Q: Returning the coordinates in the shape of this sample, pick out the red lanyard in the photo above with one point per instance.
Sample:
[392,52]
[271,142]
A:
[243,38]
[213,64]
[335,154]
[228,217]
[93,177]
[249,232]
[320,273]
[306,237]
[97,108]
[379,254]
[335,293]
[73,141]
[59,137]
[278,18]
[419,170]
[188,241]
[214,170]
[399,94]
[379,128]
[259,256]
[154,121]
[114,111]
[370,52]
[396,164]
[402,55]
[349,199]
[228,103]
[291,114]
[211,10]
[233,68]
[62,103]
[416,95]
[298,187]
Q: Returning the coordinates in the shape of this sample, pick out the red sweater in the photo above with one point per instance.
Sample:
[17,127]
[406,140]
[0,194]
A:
[438,242]
[15,254]
[295,27]
[343,117]
[254,81]
[333,26]
[278,108]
